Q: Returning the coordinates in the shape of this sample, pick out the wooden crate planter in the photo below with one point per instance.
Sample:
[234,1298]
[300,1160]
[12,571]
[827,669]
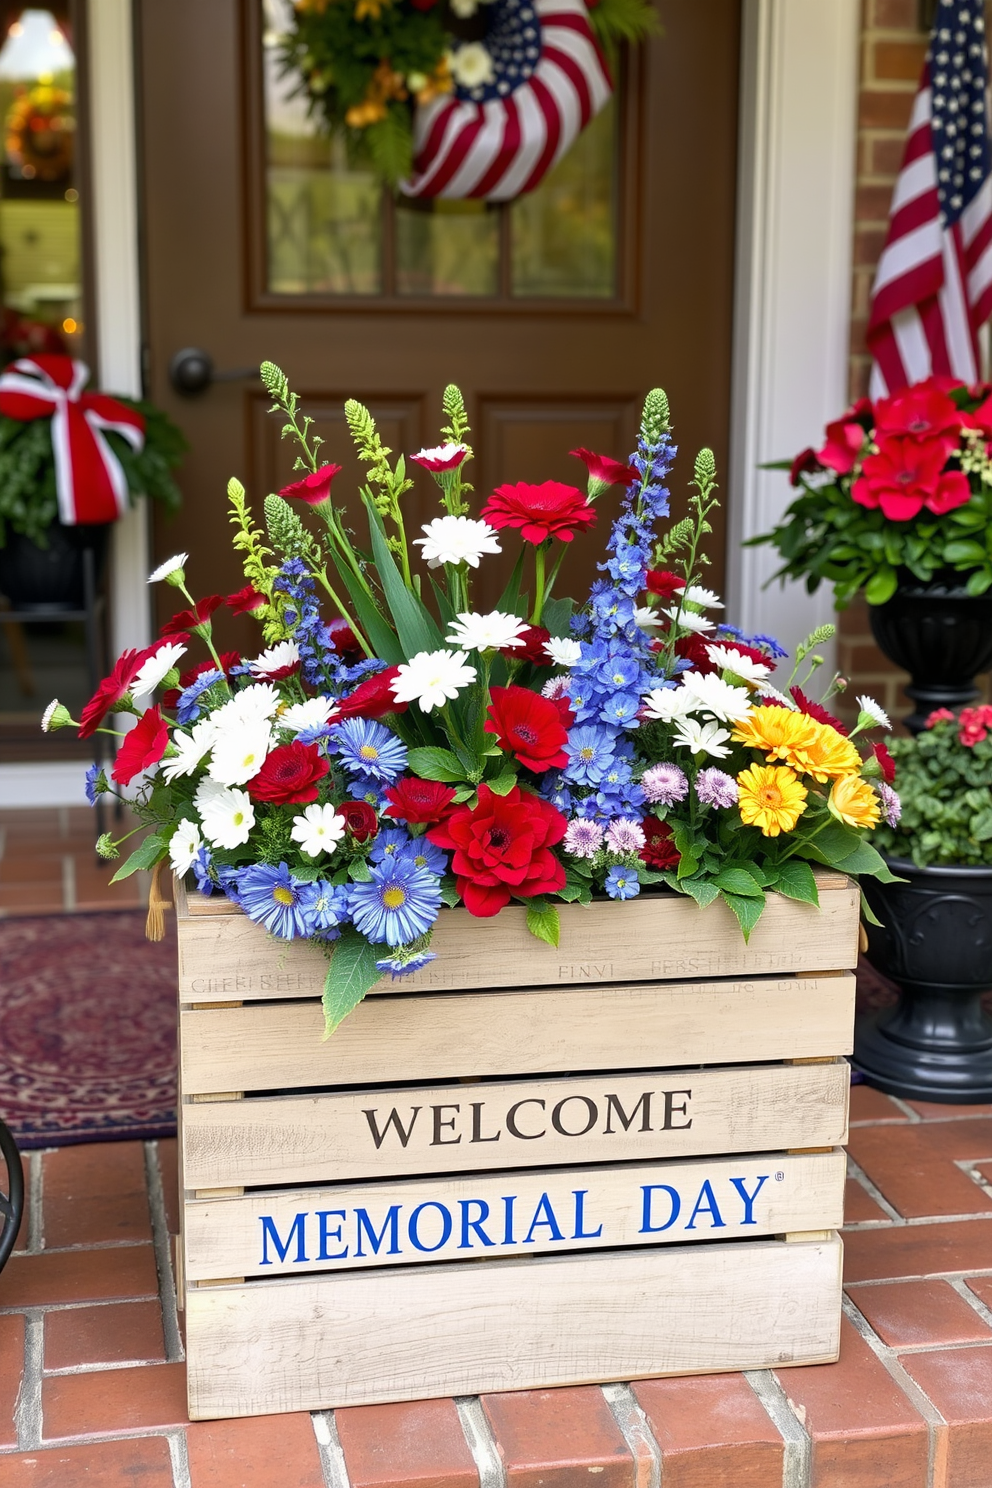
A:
[496,1174]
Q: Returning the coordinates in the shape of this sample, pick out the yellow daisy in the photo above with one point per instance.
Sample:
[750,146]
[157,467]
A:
[778,732]
[772,798]
[828,757]
[854,803]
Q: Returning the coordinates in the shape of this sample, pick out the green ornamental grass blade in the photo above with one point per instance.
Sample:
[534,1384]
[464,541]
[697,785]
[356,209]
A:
[350,975]
[146,856]
[414,625]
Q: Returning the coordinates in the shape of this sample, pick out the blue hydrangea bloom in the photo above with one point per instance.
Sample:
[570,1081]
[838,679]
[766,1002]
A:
[398,904]
[622,883]
[367,747]
[274,898]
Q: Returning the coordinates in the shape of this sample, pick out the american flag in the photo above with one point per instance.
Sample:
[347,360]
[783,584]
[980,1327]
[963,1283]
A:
[933,286]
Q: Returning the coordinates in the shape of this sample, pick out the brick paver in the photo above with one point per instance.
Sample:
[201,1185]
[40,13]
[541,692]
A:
[267,1452]
[144,1462]
[713,1433]
[546,1438]
[412,1445]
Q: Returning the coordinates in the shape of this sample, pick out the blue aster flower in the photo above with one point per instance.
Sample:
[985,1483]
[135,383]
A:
[622,883]
[274,898]
[188,707]
[96,783]
[228,879]
[330,909]
[424,854]
[201,868]
[315,735]
[399,903]
[364,788]
[389,844]
[397,966]
[590,752]
[368,747]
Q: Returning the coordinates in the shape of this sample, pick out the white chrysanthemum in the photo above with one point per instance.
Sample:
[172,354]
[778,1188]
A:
[492,632]
[456,540]
[471,65]
[319,829]
[696,594]
[152,671]
[192,747]
[257,703]
[432,678]
[877,714]
[239,753]
[667,703]
[184,845]
[717,698]
[562,651]
[170,566]
[647,617]
[689,620]
[701,738]
[312,714]
[729,659]
[282,654]
[765,690]
[228,817]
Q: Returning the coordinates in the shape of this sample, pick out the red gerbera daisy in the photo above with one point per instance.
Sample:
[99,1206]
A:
[532,649]
[541,512]
[661,581]
[418,801]
[528,726]
[111,690]
[142,747]
[245,600]
[194,619]
[289,775]
[502,847]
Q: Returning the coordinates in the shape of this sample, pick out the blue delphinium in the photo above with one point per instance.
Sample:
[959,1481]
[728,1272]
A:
[590,752]
[367,747]
[323,668]
[188,707]
[274,898]
[622,883]
[399,903]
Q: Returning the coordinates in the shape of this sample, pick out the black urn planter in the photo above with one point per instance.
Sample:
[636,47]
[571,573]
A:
[939,634]
[11,1202]
[935,1043]
[51,578]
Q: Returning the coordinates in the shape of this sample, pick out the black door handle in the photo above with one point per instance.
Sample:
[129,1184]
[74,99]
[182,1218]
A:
[191,371]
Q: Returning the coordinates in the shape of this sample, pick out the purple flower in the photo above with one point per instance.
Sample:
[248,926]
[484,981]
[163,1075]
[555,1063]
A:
[625,835]
[583,838]
[890,802]
[715,788]
[664,784]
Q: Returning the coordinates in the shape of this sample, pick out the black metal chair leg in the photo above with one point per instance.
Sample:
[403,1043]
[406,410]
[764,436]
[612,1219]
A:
[11,1204]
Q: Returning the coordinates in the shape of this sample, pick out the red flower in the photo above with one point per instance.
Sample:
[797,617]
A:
[142,747]
[502,847]
[816,710]
[692,648]
[372,699]
[845,438]
[541,512]
[923,413]
[315,488]
[228,660]
[532,649]
[343,637]
[528,726]
[195,618]
[905,476]
[418,801]
[564,707]
[111,690]
[939,715]
[666,584]
[609,472]
[886,763]
[435,460]
[975,722]
[289,775]
[659,850]
[980,418]
[360,819]
[245,600]
[805,461]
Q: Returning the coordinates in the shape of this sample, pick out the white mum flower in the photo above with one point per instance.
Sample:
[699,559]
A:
[257,703]
[689,620]
[312,714]
[729,659]
[456,540]
[192,747]
[471,65]
[184,845]
[432,678]
[647,617]
[701,738]
[491,632]
[228,817]
[695,594]
[877,714]
[152,672]
[172,565]
[282,654]
[665,704]
[717,698]
[239,753]
[562,651]
[319,829]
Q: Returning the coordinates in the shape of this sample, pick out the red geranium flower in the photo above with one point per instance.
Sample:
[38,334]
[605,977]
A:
[228,661]
[418,801]
[528,726]
[805,461]
[541,512]
[974,724]
[142,747]
[905,476]
[886,763]
[659,850]
[532,649]
[315,488]
[602,468]
[939,715]
[816,710]
[845,438]
[922,413]
[195,618]
[373,699]
[289,775]
[664,583]
[360,819]
[111,690]
[502,847]
[245,600]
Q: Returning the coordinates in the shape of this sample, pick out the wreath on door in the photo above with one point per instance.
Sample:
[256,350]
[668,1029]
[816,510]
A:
[460,98]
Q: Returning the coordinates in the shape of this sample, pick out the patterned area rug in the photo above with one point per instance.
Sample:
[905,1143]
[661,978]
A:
[87,1029]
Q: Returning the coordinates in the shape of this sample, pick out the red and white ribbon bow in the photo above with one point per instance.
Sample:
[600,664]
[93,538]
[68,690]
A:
[89,479]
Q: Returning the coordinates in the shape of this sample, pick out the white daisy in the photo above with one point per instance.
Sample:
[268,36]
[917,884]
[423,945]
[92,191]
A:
[695,594]
[192,747]
[172,565]
[257,703]
[184,845]
[668,703]
[716,698]
[492,632]
[239,754]
[878,715]
[689,620]
[207,792]
[701,738]
[432,678]
[562,651]
[312,714]
[319,829]
[766,690]
[152,671]
[456,540]
[228,817]
[647,617]
[282,654]
[729,659]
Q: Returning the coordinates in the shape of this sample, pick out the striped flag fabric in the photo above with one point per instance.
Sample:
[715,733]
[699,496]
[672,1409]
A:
[933,285]
[498,141]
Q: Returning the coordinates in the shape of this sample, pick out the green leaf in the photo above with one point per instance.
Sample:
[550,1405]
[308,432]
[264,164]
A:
[881,586]
[981,826]
[703,890]
[868,914]
[449,892]
[359,871]
[966,551]
[739,881]
[503,784]
[508,600]
[414,624]
[542,921]
[350,975]
[432,763]
[795,880]
[747,910]
[379,633]
[556,616]
[979,581]
[146,856]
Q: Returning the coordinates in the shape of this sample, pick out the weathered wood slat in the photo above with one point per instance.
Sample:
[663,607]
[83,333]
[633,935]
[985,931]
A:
[461,1128]
[525,1213]
[411,1332]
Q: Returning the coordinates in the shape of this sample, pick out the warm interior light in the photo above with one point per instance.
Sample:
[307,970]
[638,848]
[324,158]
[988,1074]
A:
[70,326]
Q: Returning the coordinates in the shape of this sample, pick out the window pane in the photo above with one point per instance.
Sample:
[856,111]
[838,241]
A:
[447,248]
[323,218]
[563,234]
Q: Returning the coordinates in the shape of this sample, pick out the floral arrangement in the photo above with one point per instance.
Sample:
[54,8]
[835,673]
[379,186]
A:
[39,132]
[945,787]
[361,772]
[901,484]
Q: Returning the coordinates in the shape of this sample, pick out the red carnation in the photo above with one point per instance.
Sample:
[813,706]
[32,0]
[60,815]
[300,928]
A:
[664,583]
[528,726]
[816,710]
[245,600]
[905,476]
[541,512]
[111,690]
[228,661]
[289,775]
[924,413]
[315,488]
[343,637]
[418,801]
[604,470]
[886,763]
[532,649]
[373,699]
[142,747]
[442,457]
[659,850]
[502,847]
[360,819]
[805,462]
[195,618]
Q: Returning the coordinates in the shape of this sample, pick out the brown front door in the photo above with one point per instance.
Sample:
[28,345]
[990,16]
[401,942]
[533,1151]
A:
[554,314]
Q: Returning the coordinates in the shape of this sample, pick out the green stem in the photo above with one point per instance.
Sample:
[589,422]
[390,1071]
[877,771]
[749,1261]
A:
[486,666]
[321,575]
[539,557]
